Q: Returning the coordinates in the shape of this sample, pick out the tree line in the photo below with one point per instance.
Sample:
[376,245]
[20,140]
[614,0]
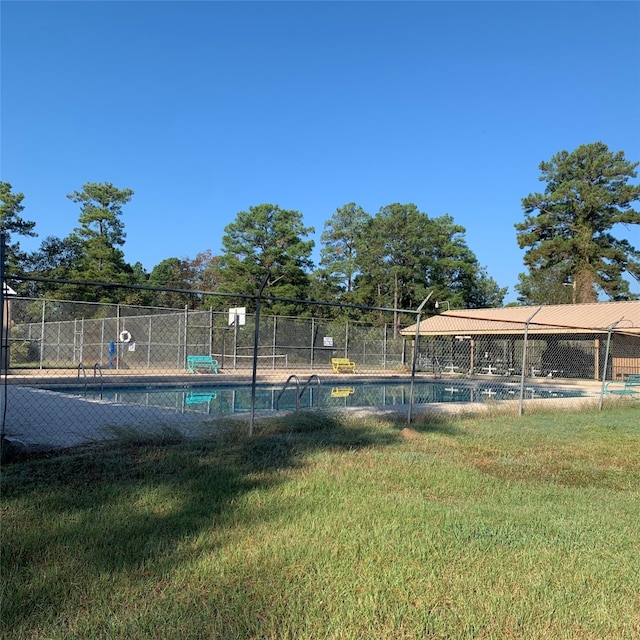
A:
[392,258]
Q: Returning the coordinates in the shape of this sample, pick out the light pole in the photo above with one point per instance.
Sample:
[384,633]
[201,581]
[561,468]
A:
[571,284]
[439,302]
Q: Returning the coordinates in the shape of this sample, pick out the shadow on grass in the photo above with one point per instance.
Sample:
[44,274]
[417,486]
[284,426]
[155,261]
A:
[124,507]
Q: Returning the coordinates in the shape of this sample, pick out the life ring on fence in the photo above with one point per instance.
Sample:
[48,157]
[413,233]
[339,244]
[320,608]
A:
[125,336]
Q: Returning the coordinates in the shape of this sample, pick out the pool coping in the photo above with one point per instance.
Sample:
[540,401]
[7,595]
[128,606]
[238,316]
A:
[114,378]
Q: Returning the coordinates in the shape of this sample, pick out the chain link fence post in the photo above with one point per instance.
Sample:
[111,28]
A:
[4,347]
[415,357]
[525,360]
[605,364]
[256,342]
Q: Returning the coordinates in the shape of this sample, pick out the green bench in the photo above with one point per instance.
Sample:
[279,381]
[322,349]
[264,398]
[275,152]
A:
[195,363]
[624,387]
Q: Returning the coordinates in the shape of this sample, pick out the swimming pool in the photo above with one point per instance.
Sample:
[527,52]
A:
[229,399]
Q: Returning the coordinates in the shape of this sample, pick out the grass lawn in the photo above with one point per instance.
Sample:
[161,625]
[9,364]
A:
[324,527]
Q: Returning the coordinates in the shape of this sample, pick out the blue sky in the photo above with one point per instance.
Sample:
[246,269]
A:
[207,108]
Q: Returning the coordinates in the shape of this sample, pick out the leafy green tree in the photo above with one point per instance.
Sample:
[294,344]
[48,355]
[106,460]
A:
[453,271]
[403,254]
[101,233]
[326,286]
[171,273]
[338,256]
[138,276]
[545,286]
[101,230]
[484,292]
[392,260]
[266,245]
[206,276]
[58,259]
[570,225]
[12,223]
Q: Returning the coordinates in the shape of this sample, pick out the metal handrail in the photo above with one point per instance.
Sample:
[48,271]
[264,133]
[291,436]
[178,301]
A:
[299,390]
[97,368]
[84,373]
[306,384]
[293,376]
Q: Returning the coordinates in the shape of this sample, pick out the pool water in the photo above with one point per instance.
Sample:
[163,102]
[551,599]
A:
[220,400]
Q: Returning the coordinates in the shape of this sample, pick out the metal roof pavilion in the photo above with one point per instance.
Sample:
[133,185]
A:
[588,318]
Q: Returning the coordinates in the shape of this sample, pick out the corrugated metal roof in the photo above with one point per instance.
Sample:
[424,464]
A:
[594,317]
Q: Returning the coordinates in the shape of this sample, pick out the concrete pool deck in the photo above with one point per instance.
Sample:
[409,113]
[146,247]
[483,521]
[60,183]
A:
[41,419]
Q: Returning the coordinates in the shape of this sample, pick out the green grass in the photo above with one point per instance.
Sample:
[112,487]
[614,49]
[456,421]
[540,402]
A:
[321,527]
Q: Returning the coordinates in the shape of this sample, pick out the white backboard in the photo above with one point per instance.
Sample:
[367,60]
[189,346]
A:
[237,312]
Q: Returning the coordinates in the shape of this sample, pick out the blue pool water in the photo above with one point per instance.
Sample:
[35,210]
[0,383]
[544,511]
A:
[223,399]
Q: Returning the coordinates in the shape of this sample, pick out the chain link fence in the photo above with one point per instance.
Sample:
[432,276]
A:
[549,356]
[50,335]
[77,372]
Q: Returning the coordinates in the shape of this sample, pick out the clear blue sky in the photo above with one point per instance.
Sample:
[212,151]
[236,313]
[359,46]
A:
[207,108]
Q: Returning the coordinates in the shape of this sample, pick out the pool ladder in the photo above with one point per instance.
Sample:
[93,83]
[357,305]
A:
[97,371]
[299,390]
